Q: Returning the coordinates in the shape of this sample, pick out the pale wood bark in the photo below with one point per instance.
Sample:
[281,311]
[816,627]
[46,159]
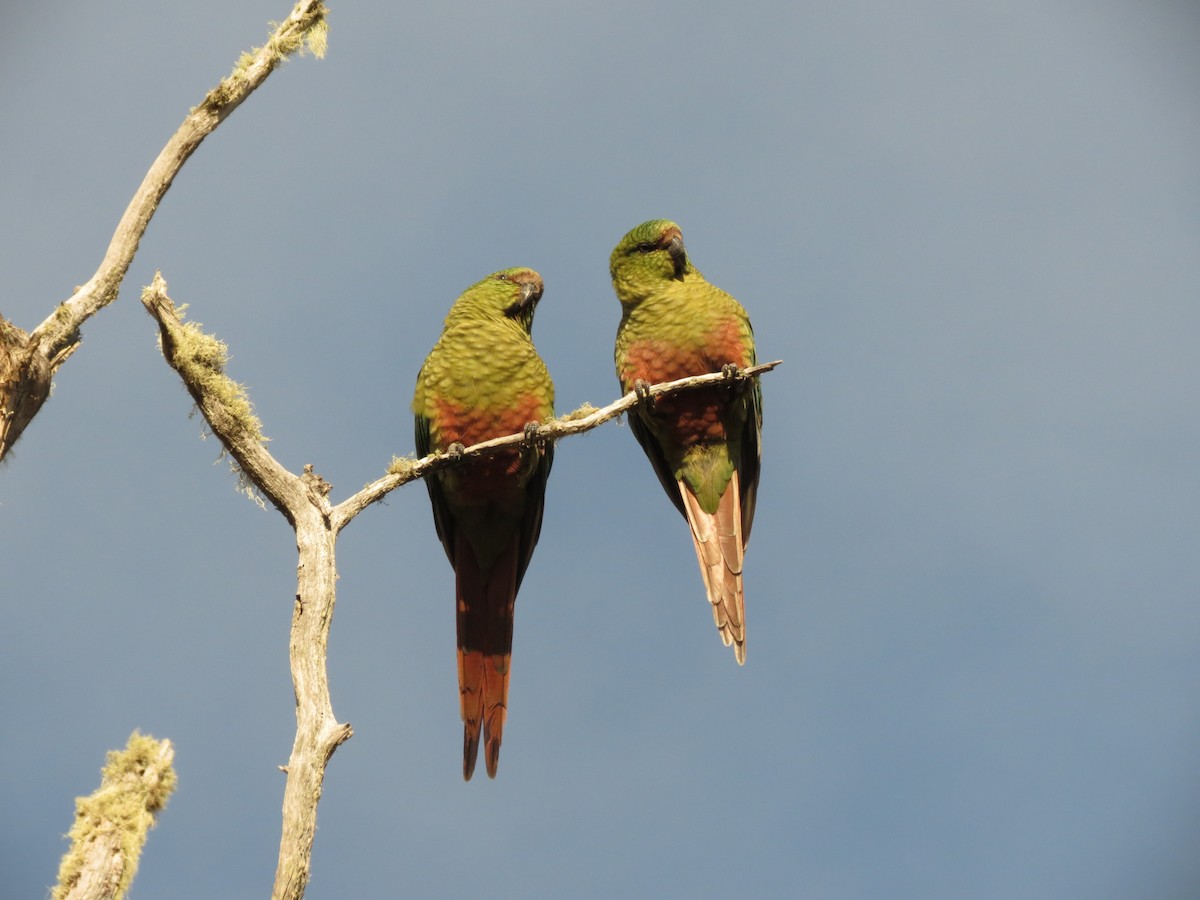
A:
[28,361]
[199,360]
[583,419]
[111,824]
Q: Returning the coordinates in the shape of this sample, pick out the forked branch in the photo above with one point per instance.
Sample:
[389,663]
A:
[200,361]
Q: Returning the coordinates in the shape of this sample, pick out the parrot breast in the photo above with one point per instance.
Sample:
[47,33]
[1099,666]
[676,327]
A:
[492,475]
[697,416]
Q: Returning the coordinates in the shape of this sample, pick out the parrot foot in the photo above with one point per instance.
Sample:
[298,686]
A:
[531,438]
[733,378]
[647,406]
[455,451]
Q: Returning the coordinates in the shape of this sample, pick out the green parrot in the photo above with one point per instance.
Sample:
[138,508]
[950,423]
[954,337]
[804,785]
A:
[484,379]
[703,444]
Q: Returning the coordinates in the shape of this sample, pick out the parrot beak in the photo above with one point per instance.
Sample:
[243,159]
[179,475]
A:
[531,293]
[678,256]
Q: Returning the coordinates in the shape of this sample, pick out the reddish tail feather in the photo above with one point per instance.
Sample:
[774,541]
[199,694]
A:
[485,627]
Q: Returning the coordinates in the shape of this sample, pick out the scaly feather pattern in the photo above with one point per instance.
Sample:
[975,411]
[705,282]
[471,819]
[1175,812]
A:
[484,379]
[704,445]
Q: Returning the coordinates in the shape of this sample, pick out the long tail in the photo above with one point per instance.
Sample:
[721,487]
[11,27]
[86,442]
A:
[719,549]
[485,627]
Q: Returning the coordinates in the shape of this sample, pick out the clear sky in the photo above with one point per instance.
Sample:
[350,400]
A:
[971,230]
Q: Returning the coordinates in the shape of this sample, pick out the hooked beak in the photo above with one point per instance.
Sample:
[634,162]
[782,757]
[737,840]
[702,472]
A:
[531,293]
[678,256]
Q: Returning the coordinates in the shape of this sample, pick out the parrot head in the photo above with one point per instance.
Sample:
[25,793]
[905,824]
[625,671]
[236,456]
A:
[648,255]
[508,294]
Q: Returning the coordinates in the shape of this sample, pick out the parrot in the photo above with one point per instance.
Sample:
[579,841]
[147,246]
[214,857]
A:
[704,444]
[484,379]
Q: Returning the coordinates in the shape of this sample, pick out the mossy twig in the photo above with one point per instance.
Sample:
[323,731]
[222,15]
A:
[111,824]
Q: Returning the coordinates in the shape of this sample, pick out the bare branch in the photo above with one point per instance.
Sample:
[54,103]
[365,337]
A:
[25,376]
[111,825]
[58,331]
[583,419]
[200,361]
[29,361]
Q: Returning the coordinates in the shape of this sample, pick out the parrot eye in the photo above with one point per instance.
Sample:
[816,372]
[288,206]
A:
[644,247]
[503,276]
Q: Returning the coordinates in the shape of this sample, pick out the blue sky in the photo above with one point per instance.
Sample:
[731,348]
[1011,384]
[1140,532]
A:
[972,231]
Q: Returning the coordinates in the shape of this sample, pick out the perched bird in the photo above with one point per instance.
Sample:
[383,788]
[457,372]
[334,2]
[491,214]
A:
[484,379]
[703,443]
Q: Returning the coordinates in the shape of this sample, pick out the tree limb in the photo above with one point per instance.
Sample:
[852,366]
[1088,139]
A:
[28,361]
[200,361]
[587,417]
[111,825]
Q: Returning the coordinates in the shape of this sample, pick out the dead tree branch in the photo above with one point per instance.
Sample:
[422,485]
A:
[28,361]
[587,417]
[200,361]
[111,825]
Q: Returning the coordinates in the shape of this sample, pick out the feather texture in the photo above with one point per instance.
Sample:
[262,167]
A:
[719,550]
[484,379]
[704,445]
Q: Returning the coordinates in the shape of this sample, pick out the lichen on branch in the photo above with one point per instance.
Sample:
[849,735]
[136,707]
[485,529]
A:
[111,824]
[200,360]
[305,30]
